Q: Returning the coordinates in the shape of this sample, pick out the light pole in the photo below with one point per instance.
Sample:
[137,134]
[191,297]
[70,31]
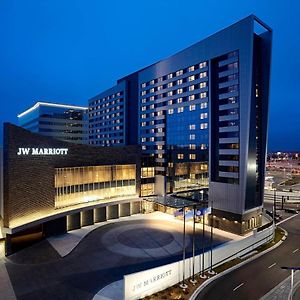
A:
[183,284]
[203,276]
[211,271]
[292,278]
[193,281]
[274,206]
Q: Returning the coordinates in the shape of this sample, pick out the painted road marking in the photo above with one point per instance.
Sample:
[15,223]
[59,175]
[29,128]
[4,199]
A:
[269,267]
[291,217]
[237,287]
[296,250]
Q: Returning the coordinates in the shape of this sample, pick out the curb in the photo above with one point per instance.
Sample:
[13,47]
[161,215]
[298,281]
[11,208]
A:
[210,280]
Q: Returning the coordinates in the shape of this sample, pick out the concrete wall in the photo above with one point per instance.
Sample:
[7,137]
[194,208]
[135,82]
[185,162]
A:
[141,284]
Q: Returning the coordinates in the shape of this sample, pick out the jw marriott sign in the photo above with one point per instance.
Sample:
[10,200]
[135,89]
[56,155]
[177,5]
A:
[42,151]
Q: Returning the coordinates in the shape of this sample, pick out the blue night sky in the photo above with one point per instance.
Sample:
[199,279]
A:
[67,51]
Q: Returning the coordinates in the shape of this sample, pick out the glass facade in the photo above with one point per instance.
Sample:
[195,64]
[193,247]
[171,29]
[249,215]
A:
[93,183]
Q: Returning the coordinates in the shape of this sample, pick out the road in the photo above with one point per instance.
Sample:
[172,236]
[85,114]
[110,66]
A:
[258,277]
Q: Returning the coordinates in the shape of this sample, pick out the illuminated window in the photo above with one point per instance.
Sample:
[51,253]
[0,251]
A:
[179,91]
[203,116]
[203,146]
[203,74]
[144,116]
[192,156]
[143,139]
[191,68]
[152,81]
[144,85]
[143,108]
[191,88]
[192,127]
[151,98]
[151,106]
[160,130]
[159,147]
[192,107]
[202,65]
[203,126]
[180,156]
[152,90]
[191,97]
[192,146]
[180,109]
[170,84]
[159,155]
[160,113]
[159,79]
[151,139]
[180,81]
[143,93]
[192,136]
[170,111]
[170,93]
[203,95]
[202,84]
[180,72]
[179,100]
[203,105]
[143,124]
[144,147]
[170,75]
[170,102]
[191,78]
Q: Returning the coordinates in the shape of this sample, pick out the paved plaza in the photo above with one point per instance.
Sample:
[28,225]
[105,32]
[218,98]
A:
[99,257]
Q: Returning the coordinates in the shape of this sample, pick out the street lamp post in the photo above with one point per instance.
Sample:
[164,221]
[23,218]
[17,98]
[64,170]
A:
[211,271]
[193,281]
[274,206]
[292,278]
[183,284]
[203,276]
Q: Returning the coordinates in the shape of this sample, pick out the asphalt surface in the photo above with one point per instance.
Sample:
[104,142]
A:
[255,279]
[39,273]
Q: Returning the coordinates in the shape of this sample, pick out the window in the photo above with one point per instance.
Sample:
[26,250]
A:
[202,65]
[151,98]
[203,105]
[143,93]
[203,74]
[180,156]
[191,97]
[171,111]
[203,146]
[159,147]
[143,124]
[203,126]
[152,81]
[192,136]
[180,109]
[203,116]
[192,156]
[170,84]
[191,78]
[179,91]
[143,139]
[159,79]
[203,95]
[144,116]
[192,107]
[170,102]
[191,68]
[160,113]
[191,88]
[151,139]
[152,90]
[192,147]
[151,106]
[180,72]
[170,75]
[170,93]
[202,84]
[179,100]
[143,108]
[160,87]
[144,85]
[192,127]
[159,155]
[160,130]
[144,147]
[180,81]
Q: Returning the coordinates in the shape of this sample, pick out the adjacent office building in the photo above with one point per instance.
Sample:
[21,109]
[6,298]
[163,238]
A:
[200,117]
[59,121]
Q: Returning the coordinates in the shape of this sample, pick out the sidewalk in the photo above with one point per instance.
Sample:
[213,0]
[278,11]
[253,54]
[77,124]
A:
[282,290]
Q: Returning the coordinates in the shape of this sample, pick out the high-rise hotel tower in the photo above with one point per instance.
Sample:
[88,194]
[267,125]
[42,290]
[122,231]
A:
[200,116]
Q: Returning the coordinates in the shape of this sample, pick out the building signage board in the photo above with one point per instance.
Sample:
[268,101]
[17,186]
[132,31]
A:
[42,151]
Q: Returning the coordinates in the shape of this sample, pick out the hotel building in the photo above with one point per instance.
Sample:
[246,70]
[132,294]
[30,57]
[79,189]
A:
[59,121]
[201,118]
